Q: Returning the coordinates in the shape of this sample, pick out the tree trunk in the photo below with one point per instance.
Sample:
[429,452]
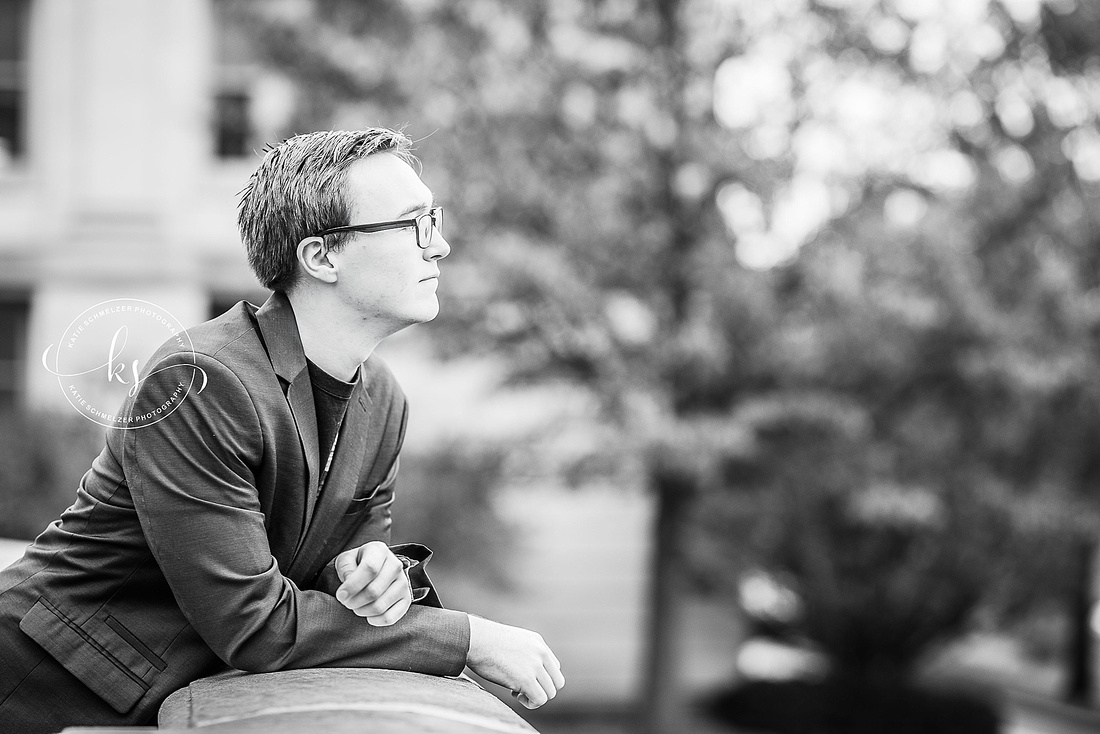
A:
[661,709]
[1079,653]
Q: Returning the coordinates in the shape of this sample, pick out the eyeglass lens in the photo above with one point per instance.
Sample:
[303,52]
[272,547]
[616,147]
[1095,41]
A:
[426,224]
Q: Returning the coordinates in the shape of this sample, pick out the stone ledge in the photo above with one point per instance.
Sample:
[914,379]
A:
[333,701]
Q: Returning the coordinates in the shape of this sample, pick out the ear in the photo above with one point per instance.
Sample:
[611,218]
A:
[313,257]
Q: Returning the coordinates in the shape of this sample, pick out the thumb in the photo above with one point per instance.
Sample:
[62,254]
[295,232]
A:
[523,699]
[346,563]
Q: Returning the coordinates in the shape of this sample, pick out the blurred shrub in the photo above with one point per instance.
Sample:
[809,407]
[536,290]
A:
[42,458]
[875,573]
[881,591]
[834,707]
[1044,635]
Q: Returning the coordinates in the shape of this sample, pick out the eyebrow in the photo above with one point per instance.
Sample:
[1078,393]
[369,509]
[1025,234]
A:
[415,208]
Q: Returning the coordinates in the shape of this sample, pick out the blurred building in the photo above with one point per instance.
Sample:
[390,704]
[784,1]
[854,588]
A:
[124,135]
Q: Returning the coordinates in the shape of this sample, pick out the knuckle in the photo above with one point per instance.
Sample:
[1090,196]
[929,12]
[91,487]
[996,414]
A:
[374,555]
[383,620]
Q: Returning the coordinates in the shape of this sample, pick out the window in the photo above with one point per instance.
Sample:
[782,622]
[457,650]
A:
[13,55]
[14,313]
[232,125]
[234,132]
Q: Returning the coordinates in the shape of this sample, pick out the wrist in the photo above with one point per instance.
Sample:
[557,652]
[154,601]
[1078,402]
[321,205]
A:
[478,629]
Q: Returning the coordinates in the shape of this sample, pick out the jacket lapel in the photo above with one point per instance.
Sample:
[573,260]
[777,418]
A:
[279,330]
[356,441]
[300,397]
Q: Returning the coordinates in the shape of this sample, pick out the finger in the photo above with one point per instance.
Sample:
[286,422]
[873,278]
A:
[369,559]
[522,698]
[389,576]
[393,614]
[388,580]
[345,563]
[553,659]
[532,696]
[556,676]
[547,684]
[535,694]
[369,607]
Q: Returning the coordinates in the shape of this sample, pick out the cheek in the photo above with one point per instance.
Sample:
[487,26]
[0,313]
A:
[388,287]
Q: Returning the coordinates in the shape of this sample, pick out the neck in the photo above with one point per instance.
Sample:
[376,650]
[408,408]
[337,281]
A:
[332,338]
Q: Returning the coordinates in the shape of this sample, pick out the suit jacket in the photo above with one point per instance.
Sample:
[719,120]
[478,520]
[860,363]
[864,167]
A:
[201,540]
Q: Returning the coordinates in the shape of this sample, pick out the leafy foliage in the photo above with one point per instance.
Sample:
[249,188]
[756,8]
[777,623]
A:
[830,268]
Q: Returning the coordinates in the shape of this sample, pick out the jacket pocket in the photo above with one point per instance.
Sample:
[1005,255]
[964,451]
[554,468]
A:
[362,502]
[86,658]
[132,640]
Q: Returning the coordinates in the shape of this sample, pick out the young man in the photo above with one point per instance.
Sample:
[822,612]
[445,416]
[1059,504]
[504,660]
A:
[250,526]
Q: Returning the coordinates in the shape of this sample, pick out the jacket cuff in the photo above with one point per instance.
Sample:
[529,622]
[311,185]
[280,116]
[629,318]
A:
[453,631]
[414,557]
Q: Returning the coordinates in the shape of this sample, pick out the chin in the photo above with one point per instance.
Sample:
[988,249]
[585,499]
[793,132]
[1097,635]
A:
[426,314]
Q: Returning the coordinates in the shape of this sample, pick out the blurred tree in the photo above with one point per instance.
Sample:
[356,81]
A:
[830,268]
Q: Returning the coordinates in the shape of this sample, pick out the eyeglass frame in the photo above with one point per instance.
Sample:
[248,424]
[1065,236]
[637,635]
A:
[435,213]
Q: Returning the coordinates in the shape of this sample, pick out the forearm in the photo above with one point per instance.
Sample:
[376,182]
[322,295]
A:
[312,629]
[256,619]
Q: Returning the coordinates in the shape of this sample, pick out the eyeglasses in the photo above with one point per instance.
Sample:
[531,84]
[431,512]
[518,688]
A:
[426,224]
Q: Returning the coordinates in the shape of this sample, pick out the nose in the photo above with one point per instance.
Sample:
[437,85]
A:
[438,249]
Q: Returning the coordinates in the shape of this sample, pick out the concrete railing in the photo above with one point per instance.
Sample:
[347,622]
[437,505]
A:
[333,701]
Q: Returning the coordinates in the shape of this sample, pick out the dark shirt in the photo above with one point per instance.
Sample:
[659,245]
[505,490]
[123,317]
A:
[330,397]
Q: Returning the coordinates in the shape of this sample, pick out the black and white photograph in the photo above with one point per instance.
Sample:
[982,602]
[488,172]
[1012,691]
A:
[550,366]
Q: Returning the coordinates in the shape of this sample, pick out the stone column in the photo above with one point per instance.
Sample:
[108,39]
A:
[118,143]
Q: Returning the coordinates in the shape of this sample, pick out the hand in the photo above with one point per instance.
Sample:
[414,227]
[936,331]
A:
[515,658]
[374,584]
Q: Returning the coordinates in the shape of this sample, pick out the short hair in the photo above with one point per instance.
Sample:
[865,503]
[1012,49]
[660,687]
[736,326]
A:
[298,190]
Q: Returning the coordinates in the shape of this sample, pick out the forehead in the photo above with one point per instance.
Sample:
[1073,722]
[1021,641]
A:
[382,186]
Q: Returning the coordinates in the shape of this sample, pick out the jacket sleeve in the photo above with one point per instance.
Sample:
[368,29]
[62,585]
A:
[192,479]
[377,527]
